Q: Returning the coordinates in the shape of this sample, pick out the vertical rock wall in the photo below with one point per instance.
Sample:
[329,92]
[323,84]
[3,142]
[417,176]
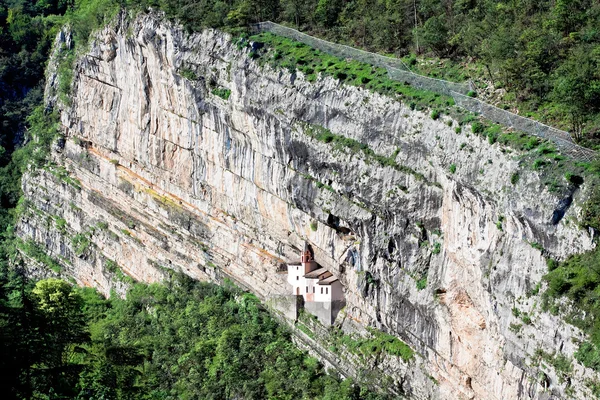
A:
[157,172]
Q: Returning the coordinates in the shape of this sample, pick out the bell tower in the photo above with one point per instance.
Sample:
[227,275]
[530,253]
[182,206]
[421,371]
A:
[307,259]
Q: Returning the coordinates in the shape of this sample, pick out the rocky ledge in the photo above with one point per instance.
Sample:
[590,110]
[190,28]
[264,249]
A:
[181,152]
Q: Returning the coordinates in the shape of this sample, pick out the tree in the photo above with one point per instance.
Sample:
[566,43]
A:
[577,86]
[327,12]
[434,34]
[63,328]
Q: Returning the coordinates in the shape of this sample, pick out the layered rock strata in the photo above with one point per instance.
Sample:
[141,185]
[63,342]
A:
[181,152]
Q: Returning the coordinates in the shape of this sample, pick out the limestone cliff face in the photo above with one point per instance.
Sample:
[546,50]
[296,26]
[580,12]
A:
[158,173]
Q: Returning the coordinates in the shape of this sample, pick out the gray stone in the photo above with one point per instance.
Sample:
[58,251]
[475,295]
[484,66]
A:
[221,189]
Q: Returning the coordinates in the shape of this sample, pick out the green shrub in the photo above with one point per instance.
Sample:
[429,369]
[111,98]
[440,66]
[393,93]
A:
[493,132]
[314,225]
[536,246]
[590,216]
[188,74]
[111,266]
[578,279]
[500,222]
[435,114]
[80,243]
[222,93]
[396,347]
[589,355]
[452,168]
[535,290]
[477,127]
[102,225]
[61,225]
[515,327]
[514,178]
[35,251]
[539,163]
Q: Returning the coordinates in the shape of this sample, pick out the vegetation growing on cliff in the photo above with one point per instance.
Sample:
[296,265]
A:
[379,342]
[112,348]
[542,155]
[545,54]
[578,280]
[574,285]
[181,340]
[27,30]
[293,55]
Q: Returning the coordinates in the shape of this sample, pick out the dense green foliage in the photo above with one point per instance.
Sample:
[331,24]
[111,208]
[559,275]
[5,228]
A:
[294,55]
[27,29]
[26,32]
[378,342]
[182,340]
[191,340]
[222,93]
[574,285]
[545,53]
[578,280]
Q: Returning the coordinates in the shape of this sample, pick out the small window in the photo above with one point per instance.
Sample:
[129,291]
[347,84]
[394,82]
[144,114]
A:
[321,290]
[297,278]
[297,268]
[313,289]
[326,290]
[307,289]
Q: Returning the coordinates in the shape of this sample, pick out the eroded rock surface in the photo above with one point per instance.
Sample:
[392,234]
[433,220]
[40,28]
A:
[159,173]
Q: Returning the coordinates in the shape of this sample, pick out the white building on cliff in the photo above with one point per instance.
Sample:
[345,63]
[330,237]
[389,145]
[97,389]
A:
[321,291]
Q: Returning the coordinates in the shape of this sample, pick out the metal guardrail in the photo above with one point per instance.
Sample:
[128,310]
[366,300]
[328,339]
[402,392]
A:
[337,50]
[398,71]
[427,83]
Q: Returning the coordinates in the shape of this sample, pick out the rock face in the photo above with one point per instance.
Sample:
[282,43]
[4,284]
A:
[157,172]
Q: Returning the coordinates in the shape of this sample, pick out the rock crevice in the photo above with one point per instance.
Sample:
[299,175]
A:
[174,177]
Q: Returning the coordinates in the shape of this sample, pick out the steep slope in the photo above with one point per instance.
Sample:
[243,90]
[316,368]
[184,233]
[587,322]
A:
[182,153]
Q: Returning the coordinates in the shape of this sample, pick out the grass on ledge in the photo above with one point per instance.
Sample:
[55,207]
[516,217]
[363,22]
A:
[38,253]
[222,93]
[540,154]
[289,54]
[379,342]
[339,142]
